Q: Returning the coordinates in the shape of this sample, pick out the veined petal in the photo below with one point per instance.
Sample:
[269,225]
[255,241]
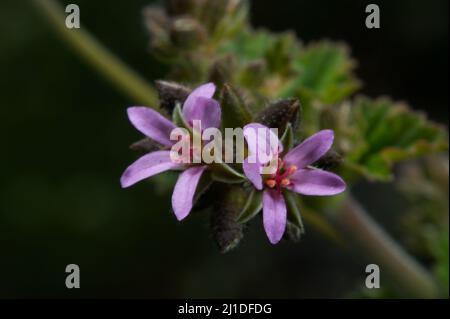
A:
[252,171]
[151,124]
[262,141]
[274,215]
[205,110]
[316,182]
[191,104]
[311,149]
[184,191]
[146,166]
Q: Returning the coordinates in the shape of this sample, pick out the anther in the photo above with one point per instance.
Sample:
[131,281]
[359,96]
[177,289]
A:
[285,182]
[271,183]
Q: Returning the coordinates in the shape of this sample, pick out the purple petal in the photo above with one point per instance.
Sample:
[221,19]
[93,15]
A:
[146,166]
[316,182]
[151,124]
[311,149]
[206,90]
[262,141]
[183,194]
[274,215]
[193,107]
[252,171]
[206,110]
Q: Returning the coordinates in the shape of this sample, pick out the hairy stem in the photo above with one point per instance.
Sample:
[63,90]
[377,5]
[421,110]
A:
[106,63]
[381,249]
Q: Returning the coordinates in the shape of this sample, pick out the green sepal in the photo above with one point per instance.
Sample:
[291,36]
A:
[145,145]
[223,172]
[292,232]
[252,207]
[203,185]
[325,73]
[178,118]
[288,138]
[293,210]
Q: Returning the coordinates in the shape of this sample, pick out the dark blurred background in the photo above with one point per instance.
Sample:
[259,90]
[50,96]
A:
[65,141]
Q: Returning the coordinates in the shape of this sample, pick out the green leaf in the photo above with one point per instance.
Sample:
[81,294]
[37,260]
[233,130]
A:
[324,73]
[248,45]
[252,207]
[376,134]
[280,54]
[440,250]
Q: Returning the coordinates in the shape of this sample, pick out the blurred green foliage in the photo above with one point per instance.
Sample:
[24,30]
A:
[372,135]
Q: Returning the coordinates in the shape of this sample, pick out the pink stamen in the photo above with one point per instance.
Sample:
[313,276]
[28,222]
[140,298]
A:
[285,182]
[281,177]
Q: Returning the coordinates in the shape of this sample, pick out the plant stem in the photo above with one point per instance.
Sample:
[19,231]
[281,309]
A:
[106,63]
[381,249]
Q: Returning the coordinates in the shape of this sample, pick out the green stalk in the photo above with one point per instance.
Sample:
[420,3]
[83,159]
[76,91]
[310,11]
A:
[382,250]
[106,63]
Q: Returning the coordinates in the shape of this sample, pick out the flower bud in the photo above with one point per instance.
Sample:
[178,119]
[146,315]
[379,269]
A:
[222,71]
[226,231]
[234,109]
[171,93]
[156,21]
[280,113]
[187,33]
[182,7]
[330,160]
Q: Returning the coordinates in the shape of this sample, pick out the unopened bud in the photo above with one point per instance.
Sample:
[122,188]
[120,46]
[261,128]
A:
[182,7]
[171,93]
[187,33]
[330,160]
[280,113]
[234,108]
[226,231]
[222,70]
[156,21]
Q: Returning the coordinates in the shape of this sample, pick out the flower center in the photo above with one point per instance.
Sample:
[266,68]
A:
[281,177]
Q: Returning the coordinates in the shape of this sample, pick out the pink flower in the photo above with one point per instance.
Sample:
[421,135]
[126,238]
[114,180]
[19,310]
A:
[293,173]
[198,106]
